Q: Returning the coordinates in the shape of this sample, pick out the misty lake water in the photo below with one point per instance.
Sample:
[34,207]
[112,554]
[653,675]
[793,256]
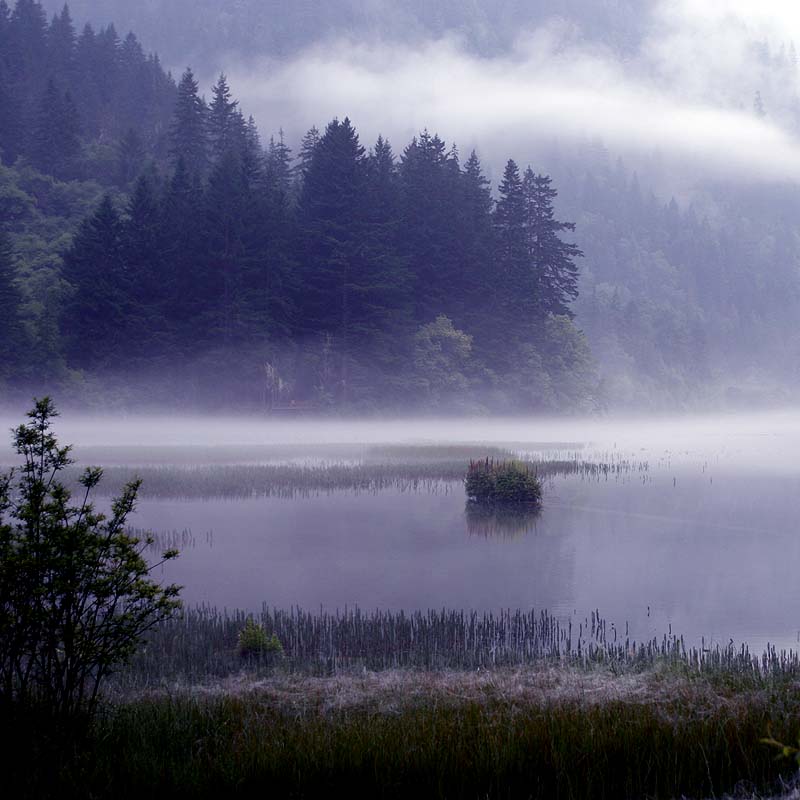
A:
[703,540]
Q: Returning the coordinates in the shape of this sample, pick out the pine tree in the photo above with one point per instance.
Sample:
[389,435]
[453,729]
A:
[182,208]
[429,197]
[304,157]
[476,235]
[189,131]
[354,286]
[11,337]
[551,260]
[28,31]
[11,139]
[511,257]
[225,247]
[143,248]
[61,46]
[225,124]
[279,164]
[91,320]
[55,144]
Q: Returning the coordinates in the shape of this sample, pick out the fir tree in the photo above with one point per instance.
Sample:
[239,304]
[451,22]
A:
[306,153]
[61,45]
[429,196]
[11,337]
[225,124]
[511,252]
[189,131]
[55,144]
[279,164]
[92,320]
[143,248]
[552,261]
[474,222]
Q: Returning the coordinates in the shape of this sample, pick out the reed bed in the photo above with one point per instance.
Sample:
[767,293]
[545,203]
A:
[305,480]
[202,646]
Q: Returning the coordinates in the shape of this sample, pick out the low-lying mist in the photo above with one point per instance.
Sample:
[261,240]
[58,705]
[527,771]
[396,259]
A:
[759,440]
[686,94]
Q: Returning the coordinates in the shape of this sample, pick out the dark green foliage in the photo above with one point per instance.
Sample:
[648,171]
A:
[55,144]
[11,337]
[491,481]
[254,642]
[189,131]
[76,595]
[226,127]
[95,339]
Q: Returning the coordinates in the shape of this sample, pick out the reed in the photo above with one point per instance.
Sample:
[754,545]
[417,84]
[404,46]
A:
[204,645]
[242,481]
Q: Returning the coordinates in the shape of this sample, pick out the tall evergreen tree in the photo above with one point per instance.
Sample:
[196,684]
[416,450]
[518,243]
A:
[189,131]
[351,283]
[552,261]
[429,196]
[11,338]
[306,153]
[279,164]
[61,45]
[511,257]
[92,320]
[55,144]
[474,223]
[225,246]
[225,124]
[147,322]
[182,279]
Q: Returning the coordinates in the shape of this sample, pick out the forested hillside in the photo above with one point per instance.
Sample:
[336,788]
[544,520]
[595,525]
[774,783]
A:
[155,249]
[211,270]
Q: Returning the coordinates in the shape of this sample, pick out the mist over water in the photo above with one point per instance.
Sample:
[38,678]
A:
[697,534]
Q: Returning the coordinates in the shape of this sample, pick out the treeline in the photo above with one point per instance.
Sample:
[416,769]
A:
[228,272]
[350,278]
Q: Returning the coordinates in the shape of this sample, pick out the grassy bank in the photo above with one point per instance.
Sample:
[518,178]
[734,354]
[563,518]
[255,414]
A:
[547,732]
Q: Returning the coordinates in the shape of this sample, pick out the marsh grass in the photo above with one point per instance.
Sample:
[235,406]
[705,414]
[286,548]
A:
[443,741]
[440,704]
[308,480]
[203,646]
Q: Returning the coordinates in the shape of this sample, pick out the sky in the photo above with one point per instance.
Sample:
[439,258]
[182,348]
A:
[686,94]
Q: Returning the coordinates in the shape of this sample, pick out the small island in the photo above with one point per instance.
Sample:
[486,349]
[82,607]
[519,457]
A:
[489,482]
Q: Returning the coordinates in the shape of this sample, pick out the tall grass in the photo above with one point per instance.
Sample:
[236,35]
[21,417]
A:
[246,745]
[203,645]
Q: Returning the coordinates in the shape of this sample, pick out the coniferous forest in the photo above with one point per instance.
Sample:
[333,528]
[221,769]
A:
[159,247]
[216,270]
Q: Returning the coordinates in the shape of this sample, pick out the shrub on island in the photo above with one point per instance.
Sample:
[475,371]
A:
[502,482]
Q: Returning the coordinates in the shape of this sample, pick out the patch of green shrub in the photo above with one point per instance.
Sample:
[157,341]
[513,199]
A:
[489,481]
[254,641]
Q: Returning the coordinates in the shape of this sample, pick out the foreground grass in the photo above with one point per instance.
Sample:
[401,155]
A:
[538,732]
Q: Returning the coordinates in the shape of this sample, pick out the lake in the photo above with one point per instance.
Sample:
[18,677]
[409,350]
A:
[696,532]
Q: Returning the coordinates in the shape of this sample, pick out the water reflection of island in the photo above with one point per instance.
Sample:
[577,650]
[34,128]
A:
[511,521]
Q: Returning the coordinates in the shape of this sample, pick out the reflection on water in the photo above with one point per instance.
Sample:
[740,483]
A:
[500,521]
[711,556]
